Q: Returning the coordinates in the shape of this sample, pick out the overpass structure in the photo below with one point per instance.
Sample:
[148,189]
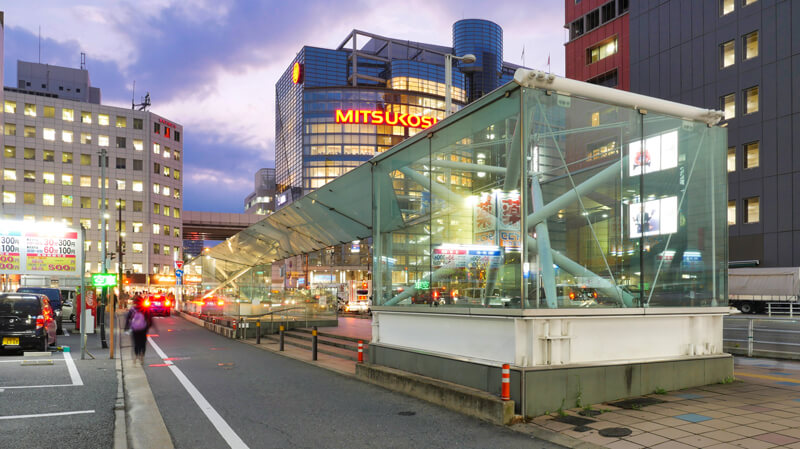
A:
[215,225]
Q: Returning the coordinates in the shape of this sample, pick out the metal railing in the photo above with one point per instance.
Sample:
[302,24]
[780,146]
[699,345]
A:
[762,337]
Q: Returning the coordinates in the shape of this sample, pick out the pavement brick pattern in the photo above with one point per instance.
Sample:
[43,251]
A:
[759,410]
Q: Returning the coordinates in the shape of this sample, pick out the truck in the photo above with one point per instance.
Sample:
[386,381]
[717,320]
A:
[751,290]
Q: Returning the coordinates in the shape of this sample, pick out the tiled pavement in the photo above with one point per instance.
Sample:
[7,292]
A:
[760,409]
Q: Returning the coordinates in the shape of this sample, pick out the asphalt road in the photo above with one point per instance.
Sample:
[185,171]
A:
[776,334]
[270,401]
[79,406]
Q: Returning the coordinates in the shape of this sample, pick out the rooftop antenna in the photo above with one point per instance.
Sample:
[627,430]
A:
[144,104]
[133,96]
[83,61]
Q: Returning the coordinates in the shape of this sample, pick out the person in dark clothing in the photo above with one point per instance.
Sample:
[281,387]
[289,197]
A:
[138,321]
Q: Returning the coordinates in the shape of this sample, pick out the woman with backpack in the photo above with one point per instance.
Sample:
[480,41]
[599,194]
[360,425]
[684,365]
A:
[138,321]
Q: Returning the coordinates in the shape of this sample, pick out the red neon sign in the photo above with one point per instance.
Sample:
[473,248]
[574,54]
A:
[297,73]
[368,117]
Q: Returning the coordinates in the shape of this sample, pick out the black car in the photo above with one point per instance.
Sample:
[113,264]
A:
[158,305]
[54,296]
[26,321]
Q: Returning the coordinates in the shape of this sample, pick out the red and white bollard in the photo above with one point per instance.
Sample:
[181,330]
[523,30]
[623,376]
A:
[505,391]
[360,351]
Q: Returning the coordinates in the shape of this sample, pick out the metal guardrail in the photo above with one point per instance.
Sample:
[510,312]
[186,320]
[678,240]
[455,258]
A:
[762,337]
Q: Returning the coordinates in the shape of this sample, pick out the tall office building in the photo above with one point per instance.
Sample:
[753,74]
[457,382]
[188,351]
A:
[742,57]
[337,108]
[54,128]
[262,200]
[597,49]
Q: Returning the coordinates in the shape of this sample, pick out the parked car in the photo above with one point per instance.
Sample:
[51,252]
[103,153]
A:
[54,296]
[68,297]
[212,306]
[26,321]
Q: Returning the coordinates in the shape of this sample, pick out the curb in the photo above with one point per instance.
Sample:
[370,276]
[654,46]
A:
[541,433]
[120,425]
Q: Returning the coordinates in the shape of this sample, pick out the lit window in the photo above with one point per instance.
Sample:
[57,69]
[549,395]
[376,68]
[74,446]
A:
[66,136]
[66,157]
[30,131]
[9,174]
[156,228]
[137,247]
[49,178]
[66,200]
[10,152]
[102,141]
[156,148]
[166,153]
[729,106]
[86,117]
[49,134]
[122,122]
[10,107]
[156,188]
[29,198]
[176,232]
[9,197]
[137,186]
[120,184]
[751,100]
[165,191]
[86,138]
[10,129]
[751,155]
[165,171]
[601,51]
[86,159]
[29,218]
[87,224]
[176,155]
[102,119]
[595,119]
[29,175]
[731,159]
[752,210]
[137,145]
[177,194]
[751,45]
[86,181]
[137,227]
[49,112]
[727,6]
[29,154]
[68,115]
[176,174]
[30,110]
[100,183]
[176,213]
[66,179]
[166,230]
[749,2]
[167,211]
[728,53]
[48,156]
[137,267]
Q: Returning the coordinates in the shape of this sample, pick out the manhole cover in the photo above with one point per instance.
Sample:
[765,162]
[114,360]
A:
[574,420]
[582,429]
[407,413]
[590,413]
[636,403]
[615,432]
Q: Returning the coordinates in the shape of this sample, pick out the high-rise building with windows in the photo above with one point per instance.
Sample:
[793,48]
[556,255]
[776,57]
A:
[741,57]
[262,200]
[597,49]
[337,108]
[54,128]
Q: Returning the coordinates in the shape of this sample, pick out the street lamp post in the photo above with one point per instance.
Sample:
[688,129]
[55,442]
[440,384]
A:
[448,78]
[104,215]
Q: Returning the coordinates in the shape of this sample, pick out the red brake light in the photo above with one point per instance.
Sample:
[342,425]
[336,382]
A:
[594,295]
[166,303]
[39,322]
[435,293]
[147,303]
[220,302]
[571,295]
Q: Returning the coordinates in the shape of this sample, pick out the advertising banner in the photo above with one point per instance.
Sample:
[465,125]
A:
[39,248]
[497,219]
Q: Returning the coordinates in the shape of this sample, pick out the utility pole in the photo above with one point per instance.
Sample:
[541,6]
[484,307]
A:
[83,294]
[104,215]
[119,274]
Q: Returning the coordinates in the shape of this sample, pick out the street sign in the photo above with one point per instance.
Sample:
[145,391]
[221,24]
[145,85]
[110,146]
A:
[178,264]
[104,279]
[179,273]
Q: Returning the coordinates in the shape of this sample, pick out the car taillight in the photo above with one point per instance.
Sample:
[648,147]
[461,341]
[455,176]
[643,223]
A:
[147,303]
[220,302]
[571,295]
[594,295]
[166,303]
[39,322]
[435,293]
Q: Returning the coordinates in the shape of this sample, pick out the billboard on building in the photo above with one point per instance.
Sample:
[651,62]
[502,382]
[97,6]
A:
[39,248]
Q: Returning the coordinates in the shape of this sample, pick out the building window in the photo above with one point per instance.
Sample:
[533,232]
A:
[166,230]
[48,199]
[731,212]
[66,179]
[48,178]
[137,165]
[29,175]
[156,128]
[86,138]
[68,115]
[751,100]
[177,194]
[751,155]
[156,188]
[177,136]
[608,79]
[593,20]
[748,2]
[86,159]
[165,191]
[165,171]
[86,181]
[102,119]
[156,148]
[48,156]
[137,225]
[607,11]
[121,162]
[137,206]
[176,174]
[167,211]
[9,174]
[30,131]
[100,183]
[601,51]
[66,200]
[156,168]
[121,142]
[156,208]
[177,155]
[751,209]
[137,145]
[122,122]
[29,198]
[10,152]
[176,232]
[137,247]
[726,6]
[156,248]
[137,123]
[66,157]
[750,44]
[29,154]
[728,50]
[176,213]
[166,153]
[49,134]
[102,141]
[86,117]
[120,184]
[137,186]
[30,110]
[731,159]
[728,103]
[100,161]
[66,136]
[49,112]
[10,107]
[156,228]
[10,129]
[9,197]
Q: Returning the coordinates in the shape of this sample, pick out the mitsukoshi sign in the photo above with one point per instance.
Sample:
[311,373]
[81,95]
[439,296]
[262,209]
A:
[368,117]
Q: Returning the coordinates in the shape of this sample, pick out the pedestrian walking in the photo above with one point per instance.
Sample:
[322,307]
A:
[138,322]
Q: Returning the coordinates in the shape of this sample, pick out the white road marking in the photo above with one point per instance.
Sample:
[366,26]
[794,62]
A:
[66,334]
[43,415]
[25,360]
[73,370]
[225,431]
[39,386]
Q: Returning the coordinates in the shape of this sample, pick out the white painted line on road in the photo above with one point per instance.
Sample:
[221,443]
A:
[39,386]
[73,370]
[24,360]
[66,334]
[44,415]
[225,431]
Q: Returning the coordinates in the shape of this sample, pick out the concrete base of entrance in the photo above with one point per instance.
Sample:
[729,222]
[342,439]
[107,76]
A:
[547,389]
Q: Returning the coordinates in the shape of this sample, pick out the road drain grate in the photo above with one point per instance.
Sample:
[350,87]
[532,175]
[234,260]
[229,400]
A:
[574,420]
[615,432]
[636,403]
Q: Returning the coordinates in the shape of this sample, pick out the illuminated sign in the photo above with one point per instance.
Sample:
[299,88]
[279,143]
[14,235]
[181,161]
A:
[297,73]
[170,124]
[367,117]
[656,217]
[104,280]
[39,248]
[658,153]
